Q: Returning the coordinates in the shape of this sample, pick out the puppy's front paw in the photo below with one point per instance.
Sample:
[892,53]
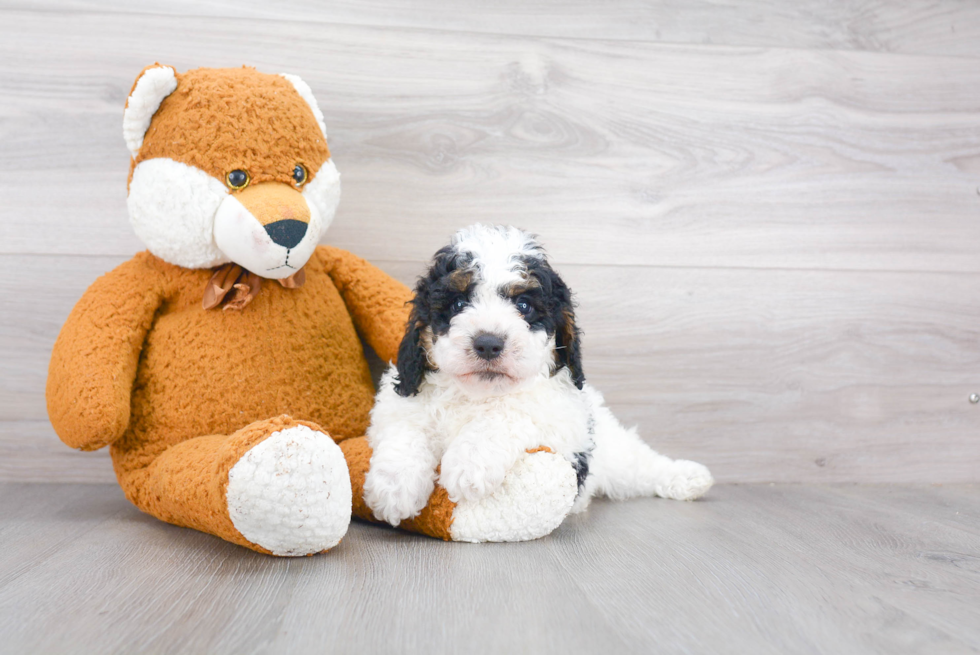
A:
[685,480]
[395,493]
[470,474]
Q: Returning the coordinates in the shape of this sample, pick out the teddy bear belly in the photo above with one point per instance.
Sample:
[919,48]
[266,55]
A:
[214,372]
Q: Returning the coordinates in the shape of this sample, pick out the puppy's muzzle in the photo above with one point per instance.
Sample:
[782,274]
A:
[488,346]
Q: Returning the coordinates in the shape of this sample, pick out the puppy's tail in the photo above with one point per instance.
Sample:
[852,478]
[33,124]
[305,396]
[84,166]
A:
[624,466]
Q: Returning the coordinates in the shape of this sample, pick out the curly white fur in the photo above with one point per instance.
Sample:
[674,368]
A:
[476,440]
[624,466]
[533,500]
[478,427]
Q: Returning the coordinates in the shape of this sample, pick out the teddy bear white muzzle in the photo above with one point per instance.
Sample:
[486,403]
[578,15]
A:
[270,229]
[189,218]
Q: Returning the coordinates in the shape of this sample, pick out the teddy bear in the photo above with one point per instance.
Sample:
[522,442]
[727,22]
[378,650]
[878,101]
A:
[223,366]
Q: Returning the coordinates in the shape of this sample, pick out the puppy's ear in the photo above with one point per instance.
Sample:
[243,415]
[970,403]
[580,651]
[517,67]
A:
[412,358]
[413,353]
[568,347]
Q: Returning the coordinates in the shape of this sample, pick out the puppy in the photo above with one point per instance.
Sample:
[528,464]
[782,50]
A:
[491,366]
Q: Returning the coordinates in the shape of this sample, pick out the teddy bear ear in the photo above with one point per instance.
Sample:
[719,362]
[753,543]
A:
[306,93]
[155,83]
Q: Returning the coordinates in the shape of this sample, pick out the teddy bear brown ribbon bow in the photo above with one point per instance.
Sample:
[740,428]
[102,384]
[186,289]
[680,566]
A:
[242,285]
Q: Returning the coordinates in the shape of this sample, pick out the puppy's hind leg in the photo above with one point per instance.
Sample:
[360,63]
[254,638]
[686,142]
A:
[623,466]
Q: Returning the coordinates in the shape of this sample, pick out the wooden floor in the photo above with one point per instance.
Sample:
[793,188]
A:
[750,569]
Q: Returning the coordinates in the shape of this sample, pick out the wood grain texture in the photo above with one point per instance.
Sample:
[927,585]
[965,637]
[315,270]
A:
[762,375]
[775,248]
[751,569]
[30,451]
[947,27]
[618,152]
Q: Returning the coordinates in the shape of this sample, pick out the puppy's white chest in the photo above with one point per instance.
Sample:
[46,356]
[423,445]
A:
[548,413]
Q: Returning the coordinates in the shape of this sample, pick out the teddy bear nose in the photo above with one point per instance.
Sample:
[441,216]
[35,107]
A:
[488,346]
[287,232]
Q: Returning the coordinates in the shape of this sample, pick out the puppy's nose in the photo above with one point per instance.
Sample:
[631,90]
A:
[488,346]
[287,232]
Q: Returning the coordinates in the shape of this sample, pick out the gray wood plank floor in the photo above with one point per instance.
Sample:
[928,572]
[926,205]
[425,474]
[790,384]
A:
[750,569]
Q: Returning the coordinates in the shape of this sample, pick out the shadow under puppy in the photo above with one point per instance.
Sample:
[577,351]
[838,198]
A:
[490,369]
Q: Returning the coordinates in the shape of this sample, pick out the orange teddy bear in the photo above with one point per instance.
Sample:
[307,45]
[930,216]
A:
[223,366]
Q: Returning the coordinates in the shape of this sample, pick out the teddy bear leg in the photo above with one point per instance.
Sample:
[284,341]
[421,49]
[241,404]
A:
[536,496]
[278,486]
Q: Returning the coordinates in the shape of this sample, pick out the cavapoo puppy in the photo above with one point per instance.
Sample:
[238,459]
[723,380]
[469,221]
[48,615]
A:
[491,366]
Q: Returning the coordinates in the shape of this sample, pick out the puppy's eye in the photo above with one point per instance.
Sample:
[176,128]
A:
[523,306]
[459,305]
[237,179]
[299,174]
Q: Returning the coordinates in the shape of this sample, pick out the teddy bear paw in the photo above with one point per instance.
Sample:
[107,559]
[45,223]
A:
[534,498]
[291,493]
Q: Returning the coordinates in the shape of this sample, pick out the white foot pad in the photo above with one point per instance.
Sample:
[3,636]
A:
[685,480]
[291,493]
[535,498]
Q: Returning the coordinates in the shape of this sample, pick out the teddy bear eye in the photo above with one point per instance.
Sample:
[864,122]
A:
[299,174]
[237,179]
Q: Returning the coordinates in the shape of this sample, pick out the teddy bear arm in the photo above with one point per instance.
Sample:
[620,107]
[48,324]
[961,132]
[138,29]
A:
[93,363]
[378,303]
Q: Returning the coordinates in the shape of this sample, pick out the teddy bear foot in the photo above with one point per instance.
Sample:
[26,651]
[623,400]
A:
[535,497]
[290,494]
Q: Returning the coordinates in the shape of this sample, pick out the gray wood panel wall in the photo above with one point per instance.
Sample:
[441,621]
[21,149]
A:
[770,210]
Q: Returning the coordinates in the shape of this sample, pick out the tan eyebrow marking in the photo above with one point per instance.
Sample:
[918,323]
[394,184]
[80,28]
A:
[459,280]
[517,288]
[426,339]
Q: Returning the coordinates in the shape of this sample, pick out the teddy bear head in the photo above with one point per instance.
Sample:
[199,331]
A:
[228,165]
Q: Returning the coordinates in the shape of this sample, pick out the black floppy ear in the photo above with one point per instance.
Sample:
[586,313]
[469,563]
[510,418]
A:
[412,361]
[568,346]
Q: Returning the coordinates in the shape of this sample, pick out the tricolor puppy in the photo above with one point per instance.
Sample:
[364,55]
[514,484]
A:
[491,366]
